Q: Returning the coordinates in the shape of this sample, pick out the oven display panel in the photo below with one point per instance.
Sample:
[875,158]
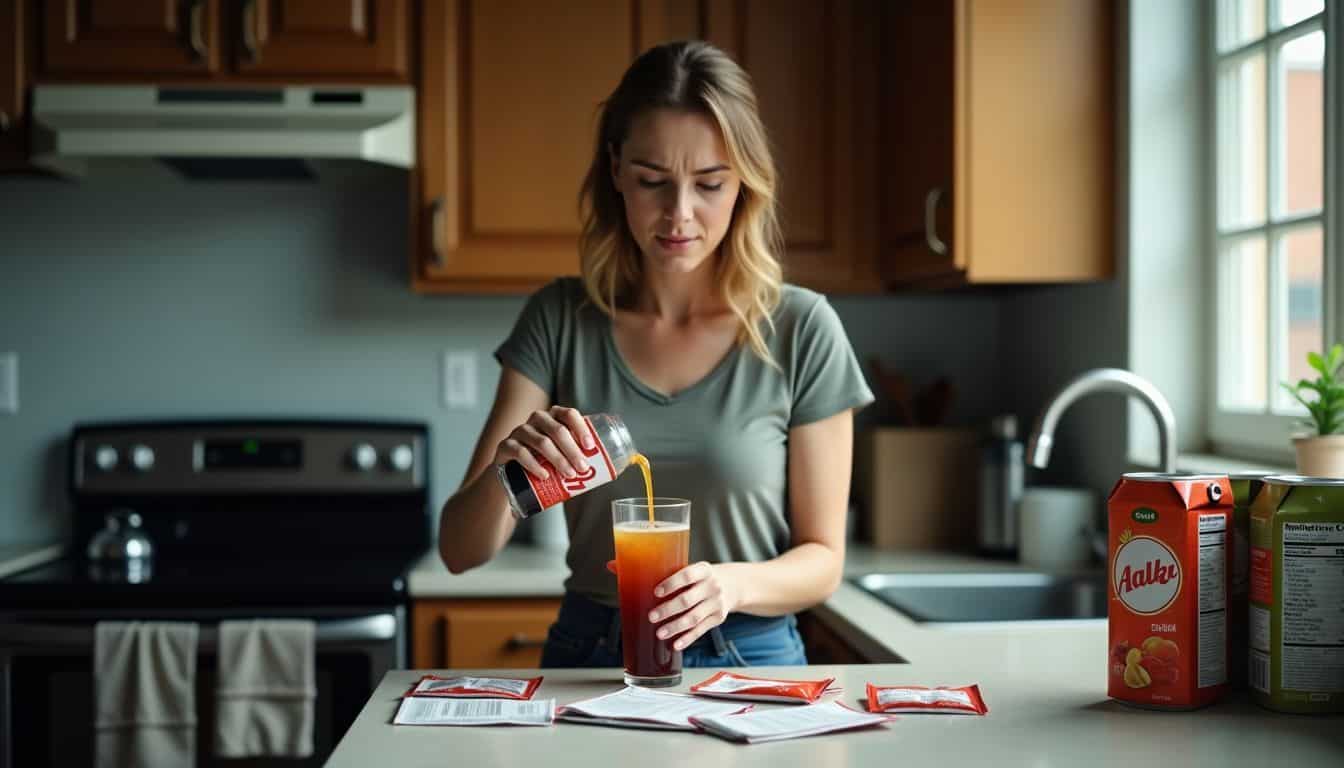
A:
[253,453]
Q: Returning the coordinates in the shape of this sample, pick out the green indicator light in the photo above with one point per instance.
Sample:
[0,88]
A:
[250,447]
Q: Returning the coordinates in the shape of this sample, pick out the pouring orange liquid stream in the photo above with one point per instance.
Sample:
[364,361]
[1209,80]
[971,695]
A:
[643,463]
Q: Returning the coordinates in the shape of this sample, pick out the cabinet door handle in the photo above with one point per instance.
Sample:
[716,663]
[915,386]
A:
[931,221]
[196,29]
[250,35]
[521,641]
[436,233]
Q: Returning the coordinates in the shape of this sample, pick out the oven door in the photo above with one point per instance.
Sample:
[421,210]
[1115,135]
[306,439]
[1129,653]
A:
[47,684]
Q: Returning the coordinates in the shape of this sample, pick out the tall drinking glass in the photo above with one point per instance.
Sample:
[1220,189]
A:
[648,550]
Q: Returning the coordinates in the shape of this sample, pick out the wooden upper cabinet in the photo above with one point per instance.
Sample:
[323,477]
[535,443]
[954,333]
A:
[666,21]
[915,105]
[15,50]
[224,41]
[813,65]
[997,141]
[131,37]
[293,38]
[509,94]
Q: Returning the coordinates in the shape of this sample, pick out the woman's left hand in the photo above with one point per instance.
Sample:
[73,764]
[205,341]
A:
[705,595]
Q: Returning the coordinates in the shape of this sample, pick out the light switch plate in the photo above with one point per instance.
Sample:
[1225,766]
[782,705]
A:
[459,378]
[9,382]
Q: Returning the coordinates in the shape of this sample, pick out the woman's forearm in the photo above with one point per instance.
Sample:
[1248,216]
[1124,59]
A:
[796,580]
[475,523]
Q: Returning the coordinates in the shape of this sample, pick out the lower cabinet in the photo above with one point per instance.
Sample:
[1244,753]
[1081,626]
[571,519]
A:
[823,644]
[508,633]
[480,634]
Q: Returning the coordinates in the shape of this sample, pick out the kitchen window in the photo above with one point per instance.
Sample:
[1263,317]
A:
[1276,267]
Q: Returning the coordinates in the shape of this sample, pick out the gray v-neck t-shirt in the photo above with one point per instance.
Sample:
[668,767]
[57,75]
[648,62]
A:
[722,442]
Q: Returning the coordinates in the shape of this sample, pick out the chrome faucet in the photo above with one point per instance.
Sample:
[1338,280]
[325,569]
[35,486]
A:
[1104,380]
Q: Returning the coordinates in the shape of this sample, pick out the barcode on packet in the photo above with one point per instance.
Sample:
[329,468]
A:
[474,709]
[1259,672]
[432,711]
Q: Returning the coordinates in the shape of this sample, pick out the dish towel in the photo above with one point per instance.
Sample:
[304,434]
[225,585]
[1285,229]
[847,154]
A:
[144,678]
[266,688]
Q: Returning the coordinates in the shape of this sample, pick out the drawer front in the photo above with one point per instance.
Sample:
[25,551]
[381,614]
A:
[496,636]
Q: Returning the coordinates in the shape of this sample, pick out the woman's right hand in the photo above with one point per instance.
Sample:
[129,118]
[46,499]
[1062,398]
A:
[555,435]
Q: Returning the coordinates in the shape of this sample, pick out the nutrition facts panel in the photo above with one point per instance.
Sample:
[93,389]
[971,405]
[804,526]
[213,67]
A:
[1212,600]
[1313,611]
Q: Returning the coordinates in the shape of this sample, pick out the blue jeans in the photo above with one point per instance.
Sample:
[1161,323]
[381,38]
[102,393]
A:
[588,634]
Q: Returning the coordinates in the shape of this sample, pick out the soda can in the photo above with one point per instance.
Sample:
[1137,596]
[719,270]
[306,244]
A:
[1167,598]
[612,451]
[1296,612]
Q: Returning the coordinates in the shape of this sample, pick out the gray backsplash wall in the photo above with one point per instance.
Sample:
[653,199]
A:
[1049,335]
[134,296]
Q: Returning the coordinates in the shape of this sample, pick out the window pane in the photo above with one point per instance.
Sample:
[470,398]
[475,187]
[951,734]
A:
[1240,22]
[1241,142]
[1243,323]
[1293,11]
[1301,118]
[1300,255]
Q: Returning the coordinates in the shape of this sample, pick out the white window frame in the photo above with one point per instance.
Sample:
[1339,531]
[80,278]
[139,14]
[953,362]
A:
[1268,435]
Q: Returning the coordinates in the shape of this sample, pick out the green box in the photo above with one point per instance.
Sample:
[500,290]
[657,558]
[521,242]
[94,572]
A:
[1296,615]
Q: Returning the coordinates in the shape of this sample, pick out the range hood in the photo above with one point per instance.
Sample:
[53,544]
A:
[73,124]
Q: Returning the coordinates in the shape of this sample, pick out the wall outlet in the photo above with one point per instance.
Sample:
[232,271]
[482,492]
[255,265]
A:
[9,382]
[459,378]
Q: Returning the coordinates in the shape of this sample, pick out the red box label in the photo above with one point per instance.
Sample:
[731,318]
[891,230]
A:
[1262,576]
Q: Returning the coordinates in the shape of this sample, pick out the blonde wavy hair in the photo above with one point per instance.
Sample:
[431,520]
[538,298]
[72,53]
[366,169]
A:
[698,77]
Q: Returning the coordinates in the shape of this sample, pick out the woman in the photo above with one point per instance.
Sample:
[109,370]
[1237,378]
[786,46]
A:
[738,388]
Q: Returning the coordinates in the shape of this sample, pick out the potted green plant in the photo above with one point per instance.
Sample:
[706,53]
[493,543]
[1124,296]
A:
[1320,452]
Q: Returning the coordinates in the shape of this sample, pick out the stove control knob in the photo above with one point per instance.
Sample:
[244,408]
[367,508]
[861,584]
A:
[363,457]
[105,458]
[142,458]
[401,458]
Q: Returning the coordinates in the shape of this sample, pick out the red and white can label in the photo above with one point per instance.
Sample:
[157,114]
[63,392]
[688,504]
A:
[556,488]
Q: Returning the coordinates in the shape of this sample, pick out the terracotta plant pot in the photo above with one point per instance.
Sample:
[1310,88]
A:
[1320,456]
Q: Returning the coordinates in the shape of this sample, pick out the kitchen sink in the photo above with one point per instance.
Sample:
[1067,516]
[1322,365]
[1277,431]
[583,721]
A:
[974,597]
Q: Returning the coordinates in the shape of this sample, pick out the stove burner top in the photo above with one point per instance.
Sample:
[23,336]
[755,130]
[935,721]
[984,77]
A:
[238,513]
[81,583]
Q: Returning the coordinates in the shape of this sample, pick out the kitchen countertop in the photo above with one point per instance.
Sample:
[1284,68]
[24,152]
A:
[1044,682]
[21,557]
[878,632]
[1047,708]
[526,571]
[517,571]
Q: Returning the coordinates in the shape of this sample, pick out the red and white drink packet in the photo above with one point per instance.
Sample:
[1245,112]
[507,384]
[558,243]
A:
[788,722]
[965,700]
[437,710]
[432,686]
[730,685]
